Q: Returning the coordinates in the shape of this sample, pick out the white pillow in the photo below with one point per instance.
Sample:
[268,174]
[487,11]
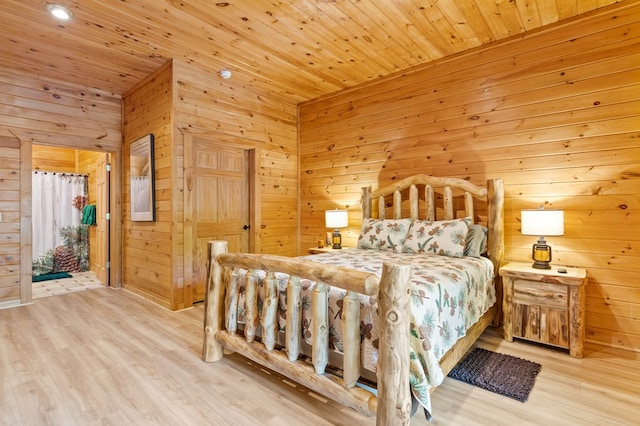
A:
[386,235]
[444,237]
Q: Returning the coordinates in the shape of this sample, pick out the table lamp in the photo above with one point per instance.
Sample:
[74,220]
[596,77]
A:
[542,223]
[336,219]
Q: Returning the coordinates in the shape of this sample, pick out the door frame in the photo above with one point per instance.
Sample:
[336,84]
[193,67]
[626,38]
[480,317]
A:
[253,155]
[26,236]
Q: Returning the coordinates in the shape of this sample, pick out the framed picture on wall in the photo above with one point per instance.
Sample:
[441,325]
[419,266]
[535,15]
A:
[142,182]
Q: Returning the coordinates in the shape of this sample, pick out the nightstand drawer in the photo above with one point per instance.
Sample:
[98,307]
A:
[539,293]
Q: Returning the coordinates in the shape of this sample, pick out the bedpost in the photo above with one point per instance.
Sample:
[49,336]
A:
[214,303]
[394,301]
[495,222]
[366,202]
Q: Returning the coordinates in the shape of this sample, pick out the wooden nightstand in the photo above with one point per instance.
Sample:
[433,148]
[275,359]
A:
[544,305]
[316,250]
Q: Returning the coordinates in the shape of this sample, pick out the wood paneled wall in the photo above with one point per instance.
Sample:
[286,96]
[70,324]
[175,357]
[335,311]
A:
[147,246]
[556,114]
[181,98]
[54,159]
[59,113]
[229,113]
[87,161]
[48,113]
[10,221]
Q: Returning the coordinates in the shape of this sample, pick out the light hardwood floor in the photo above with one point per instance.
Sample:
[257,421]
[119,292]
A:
[109,357]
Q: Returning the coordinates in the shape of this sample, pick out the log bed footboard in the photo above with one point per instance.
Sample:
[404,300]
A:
[392,406]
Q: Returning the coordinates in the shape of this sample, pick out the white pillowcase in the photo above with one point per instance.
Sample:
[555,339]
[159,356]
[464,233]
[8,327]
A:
[386,235]
[444,237]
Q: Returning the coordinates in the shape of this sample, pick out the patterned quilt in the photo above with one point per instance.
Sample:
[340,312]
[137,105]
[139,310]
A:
[449,294]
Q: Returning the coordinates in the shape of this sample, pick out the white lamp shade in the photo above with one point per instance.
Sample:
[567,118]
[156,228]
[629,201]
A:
[336,218]
[542,222]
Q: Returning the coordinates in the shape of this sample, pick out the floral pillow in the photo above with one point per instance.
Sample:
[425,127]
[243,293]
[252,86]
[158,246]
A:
[387,234]
[444,237]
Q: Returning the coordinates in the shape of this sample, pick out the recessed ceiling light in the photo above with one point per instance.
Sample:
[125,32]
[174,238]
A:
[225,74]
[59,12]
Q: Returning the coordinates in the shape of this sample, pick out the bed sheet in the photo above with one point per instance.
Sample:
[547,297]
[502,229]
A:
[448,295]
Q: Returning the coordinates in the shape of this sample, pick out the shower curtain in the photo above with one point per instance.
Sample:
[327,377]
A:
[56,215]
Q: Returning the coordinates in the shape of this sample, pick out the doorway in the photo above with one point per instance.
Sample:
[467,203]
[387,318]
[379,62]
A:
[95,165]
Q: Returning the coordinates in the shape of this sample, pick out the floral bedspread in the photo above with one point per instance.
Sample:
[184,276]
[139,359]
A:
[449,294]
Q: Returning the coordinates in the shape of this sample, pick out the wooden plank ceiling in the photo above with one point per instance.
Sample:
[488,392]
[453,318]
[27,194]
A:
[297,49]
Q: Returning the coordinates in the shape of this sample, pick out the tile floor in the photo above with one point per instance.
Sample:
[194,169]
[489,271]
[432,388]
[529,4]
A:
[79,281]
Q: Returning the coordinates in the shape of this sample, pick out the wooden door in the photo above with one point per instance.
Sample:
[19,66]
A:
[102,224]
[216,205]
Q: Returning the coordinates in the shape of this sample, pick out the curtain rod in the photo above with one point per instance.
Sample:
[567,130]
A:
[61,173]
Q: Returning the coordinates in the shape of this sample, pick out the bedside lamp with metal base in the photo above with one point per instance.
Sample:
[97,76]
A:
[336,219]
[542,223]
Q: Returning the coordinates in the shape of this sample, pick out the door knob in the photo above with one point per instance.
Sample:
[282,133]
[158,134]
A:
[245,227]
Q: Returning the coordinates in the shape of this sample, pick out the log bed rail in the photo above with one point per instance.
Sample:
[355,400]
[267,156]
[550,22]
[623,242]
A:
[392,291]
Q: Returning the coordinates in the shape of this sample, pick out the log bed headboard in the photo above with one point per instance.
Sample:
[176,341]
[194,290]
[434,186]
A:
[448,190]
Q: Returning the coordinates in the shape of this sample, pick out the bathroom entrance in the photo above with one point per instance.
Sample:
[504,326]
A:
[70,202]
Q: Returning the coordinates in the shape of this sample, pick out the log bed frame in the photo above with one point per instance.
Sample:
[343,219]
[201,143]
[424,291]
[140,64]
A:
[392,406]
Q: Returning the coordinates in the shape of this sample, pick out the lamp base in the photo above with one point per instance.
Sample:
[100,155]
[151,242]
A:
[541,254]
[541,265]
[337,240]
